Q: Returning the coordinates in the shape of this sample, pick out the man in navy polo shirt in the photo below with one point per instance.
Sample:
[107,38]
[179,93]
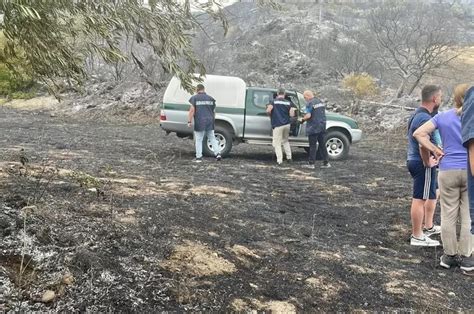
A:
[422,169]
[467,120]
[315,117]
[280,110]
[202,110]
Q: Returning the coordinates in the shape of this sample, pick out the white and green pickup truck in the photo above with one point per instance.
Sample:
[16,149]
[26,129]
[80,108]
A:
[241,117]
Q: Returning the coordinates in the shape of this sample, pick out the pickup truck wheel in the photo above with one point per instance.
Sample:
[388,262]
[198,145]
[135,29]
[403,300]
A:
[337,145]
[223,137]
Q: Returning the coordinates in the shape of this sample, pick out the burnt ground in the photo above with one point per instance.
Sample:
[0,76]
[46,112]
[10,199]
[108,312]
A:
[149,230]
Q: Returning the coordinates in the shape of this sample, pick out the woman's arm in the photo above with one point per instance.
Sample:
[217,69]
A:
[422,135]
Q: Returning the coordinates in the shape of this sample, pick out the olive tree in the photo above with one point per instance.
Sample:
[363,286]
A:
[55,37]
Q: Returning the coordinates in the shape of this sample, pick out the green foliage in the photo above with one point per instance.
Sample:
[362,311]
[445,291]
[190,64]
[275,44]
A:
[58,35]
[361,84]
[86,180]
[14,83]
[22,95]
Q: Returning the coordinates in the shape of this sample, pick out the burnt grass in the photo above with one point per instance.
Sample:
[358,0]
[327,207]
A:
[325,240]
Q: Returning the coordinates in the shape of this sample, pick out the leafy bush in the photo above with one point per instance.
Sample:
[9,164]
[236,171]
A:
[22,95]
[13,85]
[361,84]
[17,83]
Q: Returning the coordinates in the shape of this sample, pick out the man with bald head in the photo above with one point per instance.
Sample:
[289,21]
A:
[315,117]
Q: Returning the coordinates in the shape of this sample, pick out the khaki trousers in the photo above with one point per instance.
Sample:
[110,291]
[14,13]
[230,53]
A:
[455,205]
[280,137]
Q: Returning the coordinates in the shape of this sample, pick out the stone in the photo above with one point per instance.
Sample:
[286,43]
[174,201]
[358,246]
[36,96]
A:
[48,296]
[68,279]
[29,209]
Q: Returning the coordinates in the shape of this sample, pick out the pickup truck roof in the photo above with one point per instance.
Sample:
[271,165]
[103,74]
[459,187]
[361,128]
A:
[228,91]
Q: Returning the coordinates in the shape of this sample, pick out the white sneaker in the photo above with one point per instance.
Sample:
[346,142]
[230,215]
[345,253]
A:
[425,241]
[433,230]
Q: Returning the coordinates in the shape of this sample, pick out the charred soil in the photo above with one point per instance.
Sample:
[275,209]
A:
[115,217]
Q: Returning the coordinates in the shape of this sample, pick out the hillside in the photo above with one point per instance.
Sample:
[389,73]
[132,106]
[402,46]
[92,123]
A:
[300,47]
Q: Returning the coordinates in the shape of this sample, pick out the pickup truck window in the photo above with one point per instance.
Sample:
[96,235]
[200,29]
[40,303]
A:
[302,103]
[261,98]
[294,100]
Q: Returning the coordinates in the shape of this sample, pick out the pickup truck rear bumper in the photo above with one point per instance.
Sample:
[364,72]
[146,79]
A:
[176,127]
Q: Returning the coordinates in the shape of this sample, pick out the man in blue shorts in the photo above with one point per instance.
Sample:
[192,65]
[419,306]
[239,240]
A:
[467,120]
[422,169]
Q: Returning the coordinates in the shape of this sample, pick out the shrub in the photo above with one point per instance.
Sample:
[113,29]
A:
[14,85]
[18,83]
[361,84]
[23,95]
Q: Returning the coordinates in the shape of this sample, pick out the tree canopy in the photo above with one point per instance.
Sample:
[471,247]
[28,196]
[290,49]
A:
[54,37]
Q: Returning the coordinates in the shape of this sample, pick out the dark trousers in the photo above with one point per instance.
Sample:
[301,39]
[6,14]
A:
[319,138]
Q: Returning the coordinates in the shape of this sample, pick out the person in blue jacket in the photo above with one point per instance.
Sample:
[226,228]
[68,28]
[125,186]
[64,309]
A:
[467,131]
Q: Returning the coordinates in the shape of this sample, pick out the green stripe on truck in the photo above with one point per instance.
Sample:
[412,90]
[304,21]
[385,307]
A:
[181,107]
[337,117]
[329,115]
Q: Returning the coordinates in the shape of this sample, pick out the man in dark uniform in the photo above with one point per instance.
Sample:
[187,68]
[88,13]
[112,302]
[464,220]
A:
[202,110]
[280,110]
[315,117]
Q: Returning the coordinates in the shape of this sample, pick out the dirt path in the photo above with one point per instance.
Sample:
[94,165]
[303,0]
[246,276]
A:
[148,230]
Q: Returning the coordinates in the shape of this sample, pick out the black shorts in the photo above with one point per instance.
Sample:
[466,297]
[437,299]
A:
[424,180]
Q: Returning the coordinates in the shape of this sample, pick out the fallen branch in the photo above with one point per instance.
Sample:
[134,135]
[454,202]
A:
[388,105]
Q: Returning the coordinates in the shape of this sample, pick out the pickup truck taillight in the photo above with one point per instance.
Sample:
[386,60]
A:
[162,115]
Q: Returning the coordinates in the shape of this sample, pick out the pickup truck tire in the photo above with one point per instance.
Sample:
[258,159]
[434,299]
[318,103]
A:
[337,145]
[224,137]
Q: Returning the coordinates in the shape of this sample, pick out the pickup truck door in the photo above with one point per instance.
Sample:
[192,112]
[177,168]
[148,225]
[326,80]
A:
[257,121]
[296,127]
